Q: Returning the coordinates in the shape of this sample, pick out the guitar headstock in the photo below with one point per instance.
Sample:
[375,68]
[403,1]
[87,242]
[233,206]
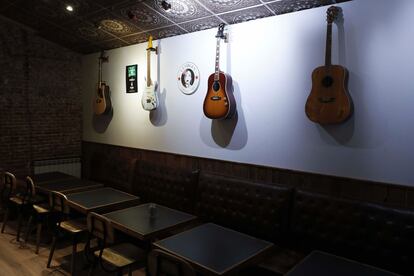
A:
[103,58]
[220,32]
[332,14]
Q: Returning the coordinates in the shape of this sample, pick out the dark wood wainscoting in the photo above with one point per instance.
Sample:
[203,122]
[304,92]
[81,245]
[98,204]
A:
[114,166]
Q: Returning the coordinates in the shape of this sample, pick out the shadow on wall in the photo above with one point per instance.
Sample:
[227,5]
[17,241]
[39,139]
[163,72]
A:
[101,122]
[159,116]
[230,133]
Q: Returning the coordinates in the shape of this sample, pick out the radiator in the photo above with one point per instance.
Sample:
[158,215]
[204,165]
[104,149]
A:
[70,166]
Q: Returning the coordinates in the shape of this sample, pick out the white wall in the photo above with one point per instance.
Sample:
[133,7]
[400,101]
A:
[271,61]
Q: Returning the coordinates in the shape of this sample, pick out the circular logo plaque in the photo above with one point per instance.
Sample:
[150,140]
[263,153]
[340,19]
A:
[188,78]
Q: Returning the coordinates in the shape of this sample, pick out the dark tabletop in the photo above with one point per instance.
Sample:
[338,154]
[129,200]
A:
[214,249]
[101,200]
[136,221]
[67,185]
[41,178]
[324,264]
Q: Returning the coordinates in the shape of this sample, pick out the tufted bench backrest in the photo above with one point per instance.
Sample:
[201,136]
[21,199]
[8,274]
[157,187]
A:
[168,186]
[253,208]
[370,233]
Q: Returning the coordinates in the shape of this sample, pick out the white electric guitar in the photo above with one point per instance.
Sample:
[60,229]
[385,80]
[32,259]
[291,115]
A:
[149,99]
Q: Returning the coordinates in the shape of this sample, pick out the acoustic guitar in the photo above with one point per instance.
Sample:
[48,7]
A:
[149,99]
[102,102]
[329,101]
[219,102]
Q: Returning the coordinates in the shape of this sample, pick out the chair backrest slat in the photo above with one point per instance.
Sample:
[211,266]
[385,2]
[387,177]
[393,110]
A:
[163,263]
[101,228]
[9,185]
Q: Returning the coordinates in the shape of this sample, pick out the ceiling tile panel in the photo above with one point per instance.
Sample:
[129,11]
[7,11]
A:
[246,15]
[167,32]
[201,24]
[111,24]
[220,6]
[181,10]
[89,32]
[143,17]
[112,44]
[136,38]
[97,24]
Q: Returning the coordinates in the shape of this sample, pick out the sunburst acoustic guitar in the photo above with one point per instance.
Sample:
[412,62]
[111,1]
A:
[102,102]
[219,102]
[329,101]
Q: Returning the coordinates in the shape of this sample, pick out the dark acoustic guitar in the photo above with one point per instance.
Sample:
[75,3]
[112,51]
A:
[329,101]
[219,102]
[102,102]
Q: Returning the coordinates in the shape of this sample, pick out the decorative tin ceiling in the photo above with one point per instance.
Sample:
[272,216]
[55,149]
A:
[96,25]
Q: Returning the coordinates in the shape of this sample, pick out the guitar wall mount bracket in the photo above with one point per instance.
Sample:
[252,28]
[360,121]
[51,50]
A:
[152,49]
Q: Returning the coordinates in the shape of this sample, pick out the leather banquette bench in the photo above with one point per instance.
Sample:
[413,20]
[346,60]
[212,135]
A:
[297,221]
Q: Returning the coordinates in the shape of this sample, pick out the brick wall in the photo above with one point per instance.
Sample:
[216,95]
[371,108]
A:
[40,99]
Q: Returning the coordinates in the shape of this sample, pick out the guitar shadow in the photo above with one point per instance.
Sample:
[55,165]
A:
[159,116]
[229,133]
[101,122]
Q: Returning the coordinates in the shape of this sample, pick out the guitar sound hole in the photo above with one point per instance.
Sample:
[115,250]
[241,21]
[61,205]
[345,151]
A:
[327,81]
[216,86]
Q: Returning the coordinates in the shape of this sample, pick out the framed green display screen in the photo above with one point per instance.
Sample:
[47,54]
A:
[131,77]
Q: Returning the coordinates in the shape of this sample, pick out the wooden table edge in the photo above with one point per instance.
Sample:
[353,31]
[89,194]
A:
[231,268]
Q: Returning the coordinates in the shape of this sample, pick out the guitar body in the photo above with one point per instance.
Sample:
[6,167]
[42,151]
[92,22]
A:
[149,98]
[102,103]
[329,101]
[219,102]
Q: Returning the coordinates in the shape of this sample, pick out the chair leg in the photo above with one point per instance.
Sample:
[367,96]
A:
[19,224]
[6,217]
[28,229]
[52,250]
[39,231]
[93,266]
[74,250]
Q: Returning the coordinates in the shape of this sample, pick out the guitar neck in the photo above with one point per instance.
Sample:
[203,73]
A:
[148,67]
[328,52]
[100,72]
[217,68]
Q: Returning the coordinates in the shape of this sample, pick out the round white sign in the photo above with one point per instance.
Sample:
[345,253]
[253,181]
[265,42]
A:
[188,78]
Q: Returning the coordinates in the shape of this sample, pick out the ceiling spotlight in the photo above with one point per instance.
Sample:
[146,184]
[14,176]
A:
[69,8]
[165,5]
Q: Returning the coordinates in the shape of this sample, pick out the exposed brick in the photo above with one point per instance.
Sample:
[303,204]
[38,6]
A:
[40,98]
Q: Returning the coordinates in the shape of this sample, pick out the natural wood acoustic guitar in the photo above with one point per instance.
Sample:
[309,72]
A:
[102,102]
[329,101]
[219,102]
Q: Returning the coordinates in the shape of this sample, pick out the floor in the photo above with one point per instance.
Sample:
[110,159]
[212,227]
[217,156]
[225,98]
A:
[19,259]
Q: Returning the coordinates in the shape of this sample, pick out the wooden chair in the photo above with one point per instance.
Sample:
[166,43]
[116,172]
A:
[40,213]
[119,256]
[75,228]
[8,190]
[162,263]
[22,202]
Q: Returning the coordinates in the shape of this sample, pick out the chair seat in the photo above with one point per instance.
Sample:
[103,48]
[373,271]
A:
[74,226]
[16,200]
[122,255]
[41,209]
